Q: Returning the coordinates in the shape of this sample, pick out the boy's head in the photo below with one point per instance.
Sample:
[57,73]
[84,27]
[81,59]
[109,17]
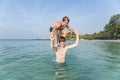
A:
[65,18]
[62,41]
[66,21]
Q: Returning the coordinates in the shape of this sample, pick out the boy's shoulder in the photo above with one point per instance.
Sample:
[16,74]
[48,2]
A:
[58,23]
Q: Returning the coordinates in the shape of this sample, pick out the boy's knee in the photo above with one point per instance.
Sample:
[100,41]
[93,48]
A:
[64,31]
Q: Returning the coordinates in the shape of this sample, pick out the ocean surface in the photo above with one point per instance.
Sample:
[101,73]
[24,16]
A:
[34,60]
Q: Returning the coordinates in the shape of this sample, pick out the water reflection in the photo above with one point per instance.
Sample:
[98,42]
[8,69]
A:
[60,71]
[112,56]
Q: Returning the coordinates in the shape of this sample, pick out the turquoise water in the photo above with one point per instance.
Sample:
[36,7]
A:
[34,60]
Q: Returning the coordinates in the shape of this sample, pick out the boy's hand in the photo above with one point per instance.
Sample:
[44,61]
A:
[52,36]
[77,32]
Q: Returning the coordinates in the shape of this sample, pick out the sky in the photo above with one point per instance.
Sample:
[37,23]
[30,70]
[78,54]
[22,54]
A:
[31,19]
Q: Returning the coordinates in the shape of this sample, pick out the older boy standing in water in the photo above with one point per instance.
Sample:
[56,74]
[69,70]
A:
[58,29]
[61,51]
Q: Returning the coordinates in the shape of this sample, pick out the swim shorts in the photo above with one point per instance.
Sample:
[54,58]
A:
[50,29]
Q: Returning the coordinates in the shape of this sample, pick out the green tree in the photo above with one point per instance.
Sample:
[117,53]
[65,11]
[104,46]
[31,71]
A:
[70,35]
[110,31]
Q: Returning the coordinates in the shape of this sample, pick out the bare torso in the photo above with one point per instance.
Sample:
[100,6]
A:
[58,25]
[61,55]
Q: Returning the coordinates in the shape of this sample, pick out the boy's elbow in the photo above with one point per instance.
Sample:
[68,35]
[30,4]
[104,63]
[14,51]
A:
[52,48]
[76,45]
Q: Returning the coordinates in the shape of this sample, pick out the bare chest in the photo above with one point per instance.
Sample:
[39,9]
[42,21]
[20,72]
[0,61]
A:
[62,51]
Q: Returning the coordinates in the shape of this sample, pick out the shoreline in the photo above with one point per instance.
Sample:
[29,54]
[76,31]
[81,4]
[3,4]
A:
[67,39]
[85,39]
[107,40]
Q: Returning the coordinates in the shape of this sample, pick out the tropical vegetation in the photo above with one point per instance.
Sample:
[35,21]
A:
[110,31]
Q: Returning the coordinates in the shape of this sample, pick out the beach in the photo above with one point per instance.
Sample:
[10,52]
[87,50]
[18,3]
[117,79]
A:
[108,40]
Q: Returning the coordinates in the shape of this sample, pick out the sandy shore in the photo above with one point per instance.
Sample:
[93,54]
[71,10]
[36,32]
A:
[108,40]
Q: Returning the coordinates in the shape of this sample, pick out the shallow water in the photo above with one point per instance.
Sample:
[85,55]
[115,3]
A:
[34,60]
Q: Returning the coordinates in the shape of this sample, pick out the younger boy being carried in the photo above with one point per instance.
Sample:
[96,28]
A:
[58,29]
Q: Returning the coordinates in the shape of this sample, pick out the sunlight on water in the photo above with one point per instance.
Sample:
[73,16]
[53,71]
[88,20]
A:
[34,60]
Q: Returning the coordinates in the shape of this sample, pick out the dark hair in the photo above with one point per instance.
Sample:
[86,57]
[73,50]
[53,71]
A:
[65,18]
[62,39]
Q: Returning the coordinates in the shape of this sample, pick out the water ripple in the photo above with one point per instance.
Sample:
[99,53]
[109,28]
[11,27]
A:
[34,60]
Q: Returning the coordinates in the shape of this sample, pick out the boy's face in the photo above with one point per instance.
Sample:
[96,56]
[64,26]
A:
[65,23]
[62,44]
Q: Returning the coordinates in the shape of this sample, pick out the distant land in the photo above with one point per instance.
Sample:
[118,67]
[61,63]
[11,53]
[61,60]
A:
[43,39]
[111,30]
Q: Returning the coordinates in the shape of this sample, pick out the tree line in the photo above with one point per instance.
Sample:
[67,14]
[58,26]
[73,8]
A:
[110,31]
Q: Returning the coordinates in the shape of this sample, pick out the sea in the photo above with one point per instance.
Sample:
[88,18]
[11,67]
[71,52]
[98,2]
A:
[27,59]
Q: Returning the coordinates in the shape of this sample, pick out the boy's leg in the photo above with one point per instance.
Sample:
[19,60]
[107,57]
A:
[64,33]
[57,35]
[56,38]
[54,33]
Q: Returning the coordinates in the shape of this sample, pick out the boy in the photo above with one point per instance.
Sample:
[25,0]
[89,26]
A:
[62,50]
[58,29]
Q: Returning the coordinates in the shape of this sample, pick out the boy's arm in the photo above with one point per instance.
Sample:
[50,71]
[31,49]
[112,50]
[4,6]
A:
[56,26]
[76,42]
[70,29]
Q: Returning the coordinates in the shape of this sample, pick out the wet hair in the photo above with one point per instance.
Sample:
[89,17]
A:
[65,18]
[62,39]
